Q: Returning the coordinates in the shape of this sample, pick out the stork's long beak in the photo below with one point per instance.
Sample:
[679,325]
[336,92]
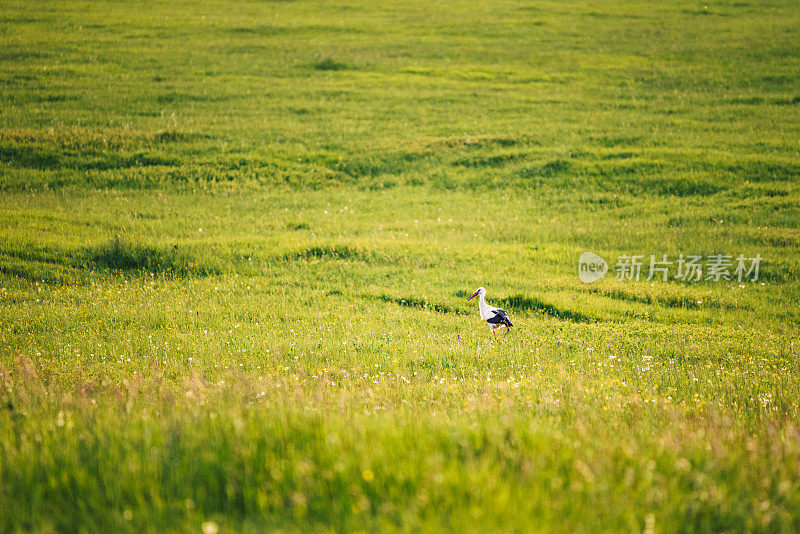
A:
[473,296]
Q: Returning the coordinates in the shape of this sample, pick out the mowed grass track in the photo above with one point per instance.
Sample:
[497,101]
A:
[236,241]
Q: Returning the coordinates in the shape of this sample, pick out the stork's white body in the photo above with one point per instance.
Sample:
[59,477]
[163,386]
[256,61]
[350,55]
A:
[486,311]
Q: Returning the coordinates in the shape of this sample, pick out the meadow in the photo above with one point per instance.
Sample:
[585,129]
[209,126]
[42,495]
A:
[237,241]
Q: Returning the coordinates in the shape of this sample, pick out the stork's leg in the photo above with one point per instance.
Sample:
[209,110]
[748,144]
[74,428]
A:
[494,334]
[506,332]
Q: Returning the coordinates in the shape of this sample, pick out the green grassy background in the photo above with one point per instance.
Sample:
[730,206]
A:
[237,238]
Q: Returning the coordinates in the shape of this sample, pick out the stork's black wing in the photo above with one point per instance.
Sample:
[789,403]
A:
[500,317]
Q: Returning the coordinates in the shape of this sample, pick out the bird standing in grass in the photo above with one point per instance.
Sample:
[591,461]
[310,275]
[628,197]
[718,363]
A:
[494,316]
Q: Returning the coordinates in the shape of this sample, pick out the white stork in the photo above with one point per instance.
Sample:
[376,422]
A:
[495,317]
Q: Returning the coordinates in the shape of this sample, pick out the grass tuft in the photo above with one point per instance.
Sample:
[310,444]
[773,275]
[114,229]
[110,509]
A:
[123,256]
[330,64]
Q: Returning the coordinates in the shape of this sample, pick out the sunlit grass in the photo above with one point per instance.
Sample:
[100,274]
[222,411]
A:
[236,243]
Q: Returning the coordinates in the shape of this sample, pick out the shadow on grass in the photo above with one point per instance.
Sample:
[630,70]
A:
[342,252]
[57,265]
[118,255]
[415,302]
[523,303]
[48,158]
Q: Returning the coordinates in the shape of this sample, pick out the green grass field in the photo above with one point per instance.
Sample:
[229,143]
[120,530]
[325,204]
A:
[237,241]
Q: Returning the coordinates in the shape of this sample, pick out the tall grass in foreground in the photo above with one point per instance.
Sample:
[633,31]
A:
[337,451]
